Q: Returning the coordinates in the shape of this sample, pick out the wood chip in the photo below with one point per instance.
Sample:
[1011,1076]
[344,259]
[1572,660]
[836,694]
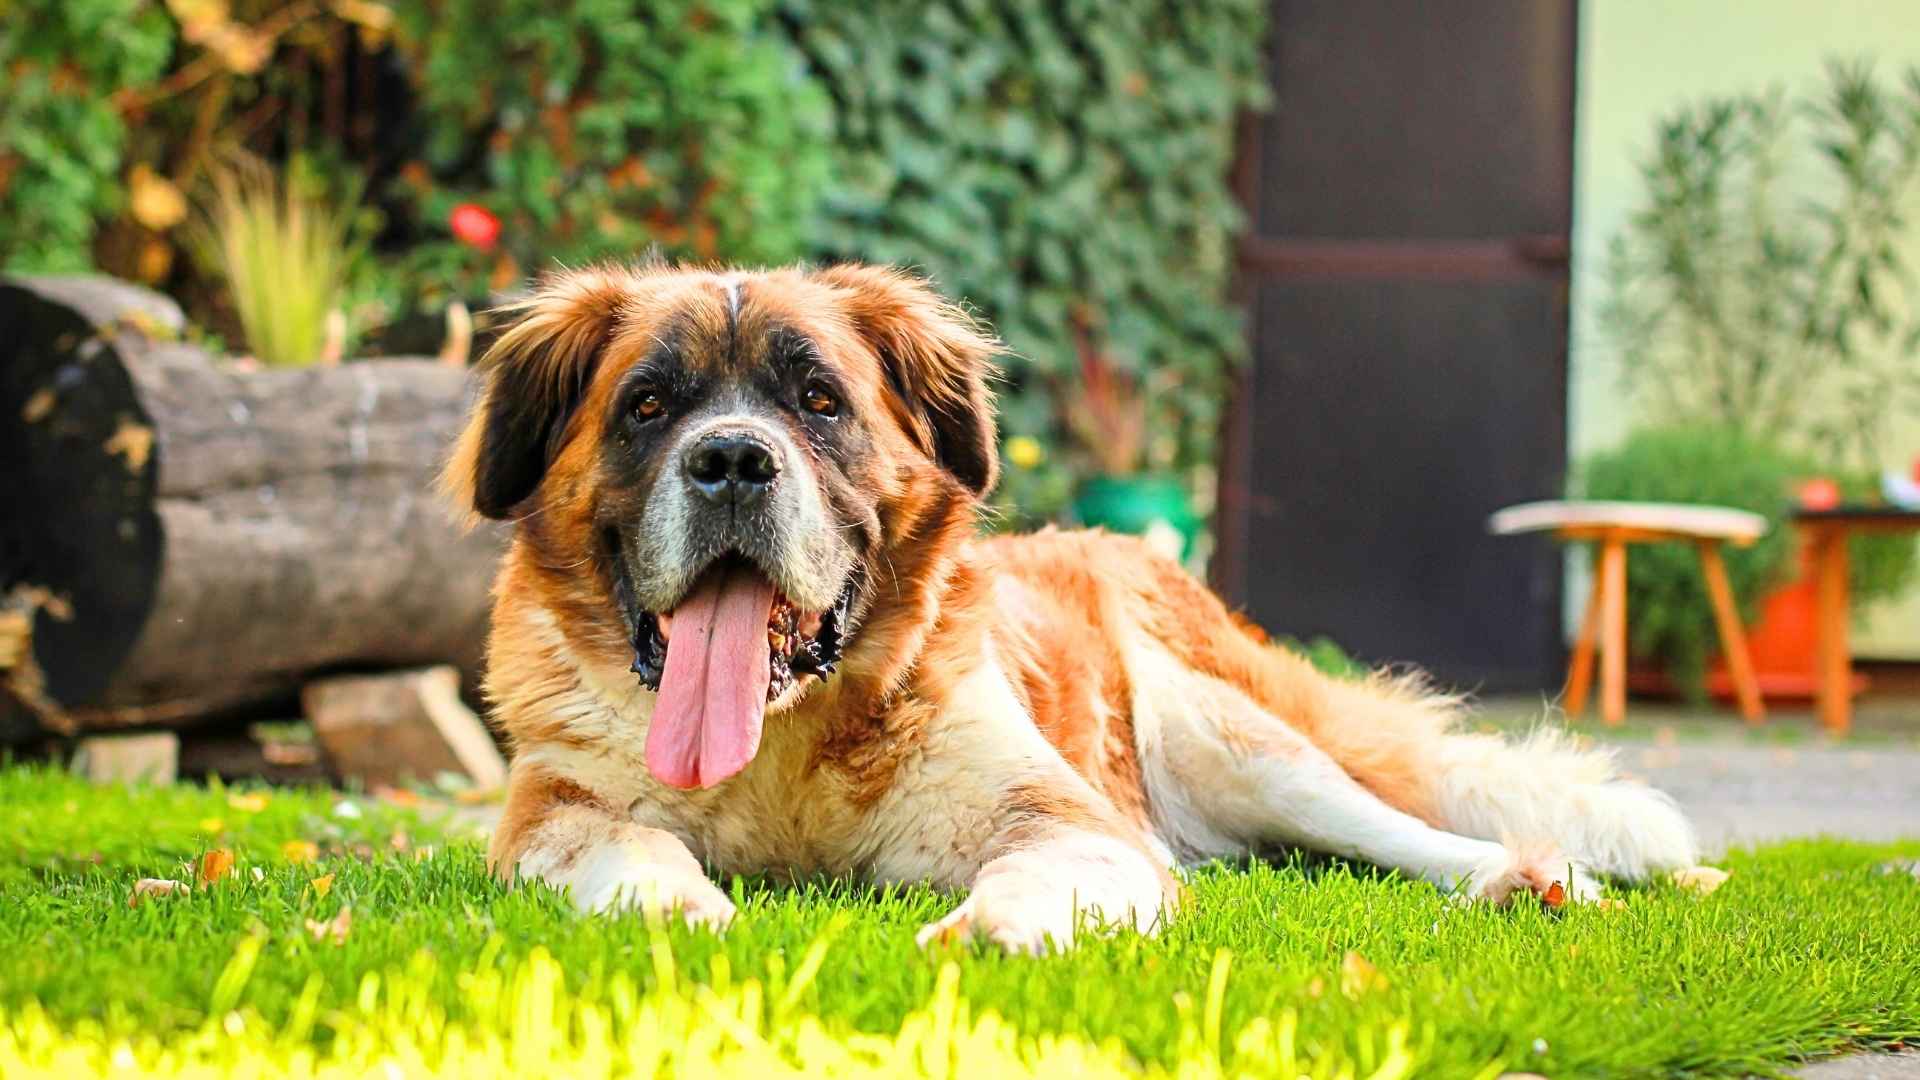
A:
[147,886]
[336,928]
[1700,880]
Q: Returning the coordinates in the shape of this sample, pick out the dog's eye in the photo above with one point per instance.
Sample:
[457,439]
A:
[819,402]
[648,405]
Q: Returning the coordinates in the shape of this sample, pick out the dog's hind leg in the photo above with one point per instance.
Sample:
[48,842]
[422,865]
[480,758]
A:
[1545,785]
[1225,776]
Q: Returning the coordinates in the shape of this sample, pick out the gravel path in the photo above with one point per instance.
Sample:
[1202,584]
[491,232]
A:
[1739,794]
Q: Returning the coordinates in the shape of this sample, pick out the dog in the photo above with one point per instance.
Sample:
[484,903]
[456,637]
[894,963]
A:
[749,623]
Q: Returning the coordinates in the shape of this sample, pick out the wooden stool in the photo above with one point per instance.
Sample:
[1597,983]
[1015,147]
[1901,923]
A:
[1614,525]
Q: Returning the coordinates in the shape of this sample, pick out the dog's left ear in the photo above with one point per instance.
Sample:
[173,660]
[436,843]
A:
[535,376]
[938,359]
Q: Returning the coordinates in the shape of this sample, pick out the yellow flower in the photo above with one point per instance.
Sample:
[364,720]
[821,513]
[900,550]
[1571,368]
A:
[1025,451]
[212,825]
[300,851]
[251,803]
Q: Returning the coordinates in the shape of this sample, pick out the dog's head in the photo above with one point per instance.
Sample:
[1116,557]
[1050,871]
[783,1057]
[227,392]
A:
[717,463]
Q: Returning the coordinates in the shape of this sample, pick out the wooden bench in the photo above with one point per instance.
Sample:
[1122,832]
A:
[1613,526]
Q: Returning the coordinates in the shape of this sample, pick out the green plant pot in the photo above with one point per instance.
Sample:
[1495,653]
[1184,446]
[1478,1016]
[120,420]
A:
[1155,507]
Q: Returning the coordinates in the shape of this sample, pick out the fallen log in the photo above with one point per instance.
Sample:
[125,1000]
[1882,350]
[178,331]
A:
[180,538]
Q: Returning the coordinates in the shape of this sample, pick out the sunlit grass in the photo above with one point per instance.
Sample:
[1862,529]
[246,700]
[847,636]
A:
[1321,968]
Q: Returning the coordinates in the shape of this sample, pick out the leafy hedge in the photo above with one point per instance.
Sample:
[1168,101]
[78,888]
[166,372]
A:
[61,139]
[602,128]
[1051,162]
[1062,165]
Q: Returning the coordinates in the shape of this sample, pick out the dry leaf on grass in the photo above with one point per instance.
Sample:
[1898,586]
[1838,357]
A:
[1358,976]
[322,885]
[1555,896]
[147,886]
[215,865]
[335,928]
[1700,880]
[394,796]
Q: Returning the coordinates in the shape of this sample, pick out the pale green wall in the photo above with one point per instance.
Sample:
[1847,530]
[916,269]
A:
[1638,60]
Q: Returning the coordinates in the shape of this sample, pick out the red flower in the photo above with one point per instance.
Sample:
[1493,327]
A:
[474,225]
[1819,493]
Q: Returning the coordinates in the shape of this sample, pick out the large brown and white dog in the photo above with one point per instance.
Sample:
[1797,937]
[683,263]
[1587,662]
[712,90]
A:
[748,621]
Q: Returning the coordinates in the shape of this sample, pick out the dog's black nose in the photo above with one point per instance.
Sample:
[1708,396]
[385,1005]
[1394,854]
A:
[732,469]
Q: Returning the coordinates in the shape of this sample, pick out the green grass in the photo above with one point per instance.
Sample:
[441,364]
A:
[1319,969]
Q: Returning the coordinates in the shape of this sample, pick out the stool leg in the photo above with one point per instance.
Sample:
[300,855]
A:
[1733,639]
[1613,631]
[1580,671]
[1835,656]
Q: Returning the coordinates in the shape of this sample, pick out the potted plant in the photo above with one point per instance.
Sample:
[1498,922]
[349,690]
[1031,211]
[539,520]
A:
[1107,412]
[1671,619]
[1766,337]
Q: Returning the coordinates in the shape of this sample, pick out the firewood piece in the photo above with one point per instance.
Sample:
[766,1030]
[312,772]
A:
[400,726]
[148,758]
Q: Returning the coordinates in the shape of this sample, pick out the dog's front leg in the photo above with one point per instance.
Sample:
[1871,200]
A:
[1053,877]
[559,834]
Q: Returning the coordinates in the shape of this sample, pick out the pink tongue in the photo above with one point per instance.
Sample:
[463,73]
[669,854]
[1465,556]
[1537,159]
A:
[713,693]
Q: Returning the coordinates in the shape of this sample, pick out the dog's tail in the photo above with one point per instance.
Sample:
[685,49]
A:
[1402,741]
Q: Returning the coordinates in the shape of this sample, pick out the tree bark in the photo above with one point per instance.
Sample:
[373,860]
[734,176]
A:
[185,538]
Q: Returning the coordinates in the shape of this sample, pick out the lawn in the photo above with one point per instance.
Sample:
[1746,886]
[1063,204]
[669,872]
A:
[1277,969]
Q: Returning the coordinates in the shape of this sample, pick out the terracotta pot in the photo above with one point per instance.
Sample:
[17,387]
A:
[1783,643]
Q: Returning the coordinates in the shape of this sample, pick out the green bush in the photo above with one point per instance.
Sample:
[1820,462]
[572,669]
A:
[1061,166]
[1670,618]
[1763,283]
[606,128]
[1048,162]
[61,137]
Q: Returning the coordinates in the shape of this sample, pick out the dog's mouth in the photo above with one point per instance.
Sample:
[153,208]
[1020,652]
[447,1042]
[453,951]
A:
[728,648]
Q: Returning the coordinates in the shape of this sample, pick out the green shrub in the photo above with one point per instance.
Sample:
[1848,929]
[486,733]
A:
[1059,165]
[61,138]
[1669,618]
[1763,284]
[1047,161]
[607,128]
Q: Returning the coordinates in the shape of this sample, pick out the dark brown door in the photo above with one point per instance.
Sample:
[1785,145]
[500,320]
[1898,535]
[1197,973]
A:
[1406,279]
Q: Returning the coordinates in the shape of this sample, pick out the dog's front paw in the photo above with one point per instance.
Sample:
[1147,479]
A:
[1018,920]
[1545,873]
[612,879]
[1040,900]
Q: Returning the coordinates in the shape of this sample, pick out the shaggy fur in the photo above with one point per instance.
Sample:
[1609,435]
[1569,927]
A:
[1055,722]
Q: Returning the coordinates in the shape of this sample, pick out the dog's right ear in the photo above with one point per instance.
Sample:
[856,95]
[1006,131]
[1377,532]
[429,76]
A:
[536,374]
